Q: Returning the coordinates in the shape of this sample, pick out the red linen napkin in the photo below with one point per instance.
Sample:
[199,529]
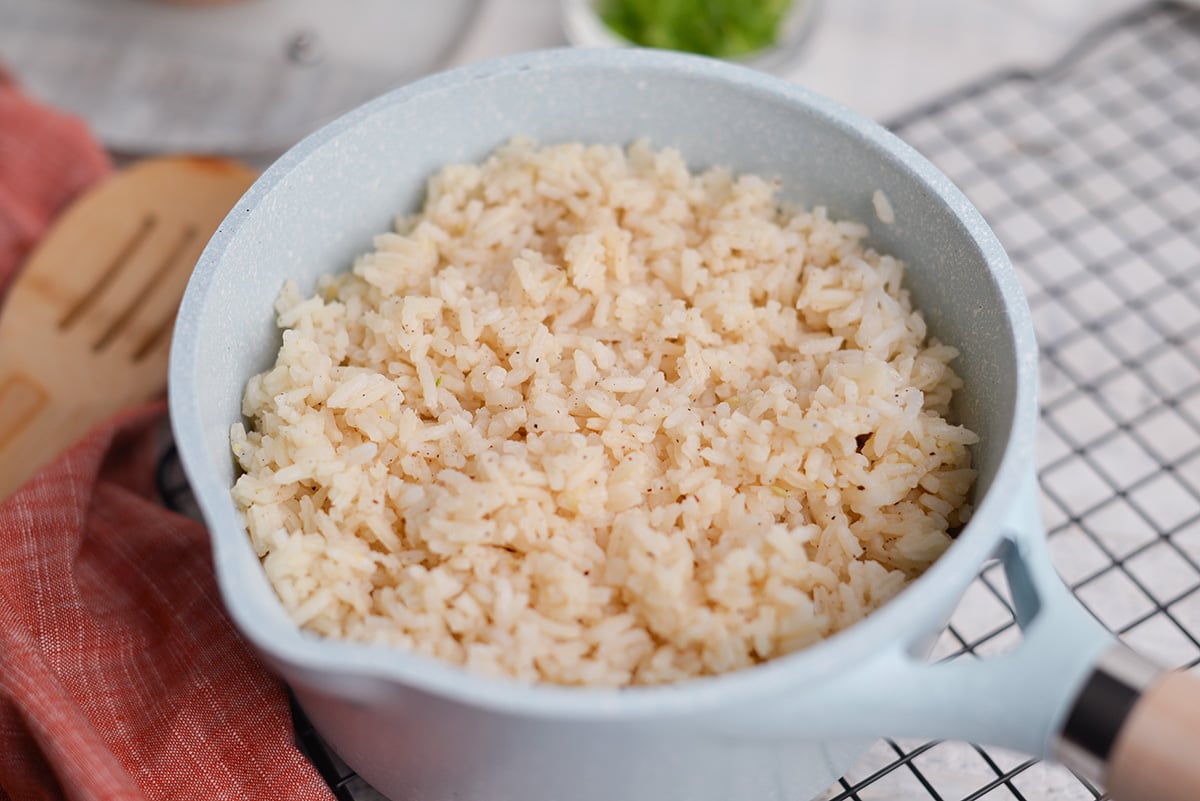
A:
[120,676]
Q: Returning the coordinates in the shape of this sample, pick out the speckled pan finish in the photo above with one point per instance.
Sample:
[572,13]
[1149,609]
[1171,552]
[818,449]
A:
[422,730]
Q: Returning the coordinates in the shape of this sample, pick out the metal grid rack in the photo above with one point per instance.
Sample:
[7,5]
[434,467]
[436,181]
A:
[1089,172]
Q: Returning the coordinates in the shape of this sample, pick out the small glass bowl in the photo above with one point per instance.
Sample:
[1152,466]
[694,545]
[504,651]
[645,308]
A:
[584,28]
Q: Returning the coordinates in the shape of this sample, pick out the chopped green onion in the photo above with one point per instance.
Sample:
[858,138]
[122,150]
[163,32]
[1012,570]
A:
[721,28]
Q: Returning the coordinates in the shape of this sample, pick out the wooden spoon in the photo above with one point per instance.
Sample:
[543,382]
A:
[86,328]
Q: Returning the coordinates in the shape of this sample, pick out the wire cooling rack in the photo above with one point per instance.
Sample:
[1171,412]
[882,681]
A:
[1089,172]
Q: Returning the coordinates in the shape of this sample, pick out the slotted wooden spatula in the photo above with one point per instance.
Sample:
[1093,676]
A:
[86,327]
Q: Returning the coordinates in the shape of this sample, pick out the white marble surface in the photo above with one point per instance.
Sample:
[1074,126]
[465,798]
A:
[880,57]
[241,78]
[251,78]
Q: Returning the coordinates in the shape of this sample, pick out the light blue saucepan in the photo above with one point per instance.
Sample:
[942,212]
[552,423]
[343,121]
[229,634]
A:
[419,730]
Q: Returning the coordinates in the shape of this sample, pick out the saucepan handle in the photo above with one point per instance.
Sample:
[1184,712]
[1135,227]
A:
[1068,690]
[1136,730]
[1131,726]
[1128,725]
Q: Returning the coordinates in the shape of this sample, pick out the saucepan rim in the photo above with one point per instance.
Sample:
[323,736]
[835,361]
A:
[355,667]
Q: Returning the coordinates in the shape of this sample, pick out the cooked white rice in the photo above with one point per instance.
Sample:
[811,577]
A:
[589,418]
